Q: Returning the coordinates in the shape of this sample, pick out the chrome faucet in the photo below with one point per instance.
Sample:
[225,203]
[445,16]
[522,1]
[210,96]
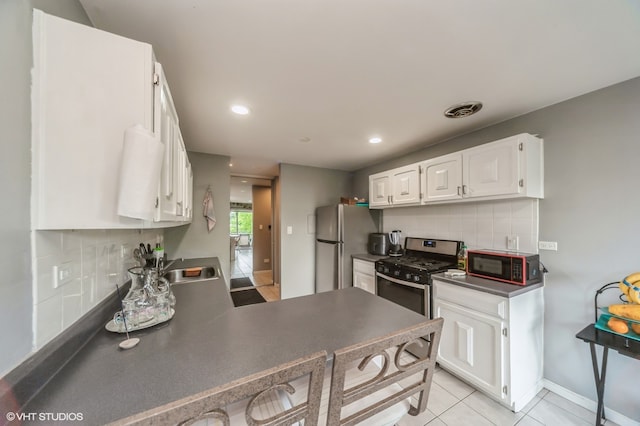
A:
[162,267]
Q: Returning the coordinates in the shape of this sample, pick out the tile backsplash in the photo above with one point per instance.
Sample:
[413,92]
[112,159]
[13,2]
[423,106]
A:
[93,261]
[479,224]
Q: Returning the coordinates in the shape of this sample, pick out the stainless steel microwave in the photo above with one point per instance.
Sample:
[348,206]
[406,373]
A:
[506,266]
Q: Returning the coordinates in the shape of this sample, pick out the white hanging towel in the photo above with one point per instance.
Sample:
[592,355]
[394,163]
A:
[208,211]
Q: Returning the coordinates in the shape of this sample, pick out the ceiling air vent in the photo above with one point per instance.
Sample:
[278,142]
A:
[463,110]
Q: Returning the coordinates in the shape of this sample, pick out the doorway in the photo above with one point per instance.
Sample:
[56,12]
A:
[251,236]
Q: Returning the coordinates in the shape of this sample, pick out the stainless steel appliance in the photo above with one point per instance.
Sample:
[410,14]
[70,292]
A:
[506,266]
[341,231]
[378,243]
[406,280]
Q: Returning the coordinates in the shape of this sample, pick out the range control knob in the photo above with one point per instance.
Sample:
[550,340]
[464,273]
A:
[416,278]
[408,276]
[396,273]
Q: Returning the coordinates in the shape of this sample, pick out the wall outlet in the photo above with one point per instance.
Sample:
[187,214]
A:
[513,242]
[125,251]
[548,245]
[289,230]
[265,260]
[61,274]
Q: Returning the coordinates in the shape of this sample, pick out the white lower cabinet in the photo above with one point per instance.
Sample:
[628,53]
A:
[364,275]
[493,343]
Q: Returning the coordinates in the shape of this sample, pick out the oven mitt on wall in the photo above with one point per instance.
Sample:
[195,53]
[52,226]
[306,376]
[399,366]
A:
[208,211]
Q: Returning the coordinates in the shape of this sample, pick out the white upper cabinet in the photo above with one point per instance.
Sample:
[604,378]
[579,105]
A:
[442,178]
[173,188]
[397,187]
[89,86]
[379,190]
[405,183]
[507,168]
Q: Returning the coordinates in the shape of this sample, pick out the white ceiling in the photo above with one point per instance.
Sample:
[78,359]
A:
[341,71]
[241,188]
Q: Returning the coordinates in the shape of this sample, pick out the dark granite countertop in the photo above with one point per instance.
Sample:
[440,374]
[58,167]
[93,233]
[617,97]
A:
[488,286]
[208,343]
[368,257]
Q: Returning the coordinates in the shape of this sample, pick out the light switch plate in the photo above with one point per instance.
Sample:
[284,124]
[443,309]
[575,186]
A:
[513,242]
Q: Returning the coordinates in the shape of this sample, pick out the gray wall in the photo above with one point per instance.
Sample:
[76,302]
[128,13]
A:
[15,170]
[193,240]
[276,230]
[302,189]
[591,209]
[262,216]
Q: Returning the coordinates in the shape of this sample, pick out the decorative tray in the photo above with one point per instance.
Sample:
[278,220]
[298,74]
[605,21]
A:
[605,310]
[115,328]
[602,325]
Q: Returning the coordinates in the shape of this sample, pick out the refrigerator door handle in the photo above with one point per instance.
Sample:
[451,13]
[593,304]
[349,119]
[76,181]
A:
[340,266]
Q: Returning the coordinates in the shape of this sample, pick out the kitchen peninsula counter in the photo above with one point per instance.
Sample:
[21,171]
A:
[209,343]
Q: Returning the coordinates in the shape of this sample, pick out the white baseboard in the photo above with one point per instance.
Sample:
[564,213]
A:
[582,401]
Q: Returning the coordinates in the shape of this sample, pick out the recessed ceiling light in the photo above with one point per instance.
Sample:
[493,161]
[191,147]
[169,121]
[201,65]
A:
[305,140]
[240,109]
[230,164]
[243,181]
[375,140]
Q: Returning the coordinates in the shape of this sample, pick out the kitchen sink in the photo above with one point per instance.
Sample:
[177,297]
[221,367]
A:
[191,274]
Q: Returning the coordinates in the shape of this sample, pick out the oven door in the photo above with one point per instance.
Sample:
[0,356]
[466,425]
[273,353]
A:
[412,296]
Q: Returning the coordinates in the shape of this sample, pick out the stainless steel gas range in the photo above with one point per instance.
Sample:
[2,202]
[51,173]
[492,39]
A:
[406,280]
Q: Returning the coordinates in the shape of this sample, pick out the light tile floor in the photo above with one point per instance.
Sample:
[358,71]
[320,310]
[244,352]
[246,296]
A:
[452,402]
[242,266]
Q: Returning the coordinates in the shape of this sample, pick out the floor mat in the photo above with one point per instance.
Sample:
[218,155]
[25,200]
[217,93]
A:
[241,282]
[246,297]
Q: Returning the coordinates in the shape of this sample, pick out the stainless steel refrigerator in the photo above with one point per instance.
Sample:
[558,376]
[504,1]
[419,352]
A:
[341,231]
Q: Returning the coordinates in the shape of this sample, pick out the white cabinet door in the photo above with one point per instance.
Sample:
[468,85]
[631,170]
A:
[188,200]
[89,86]
[379,190]
[166,125]
[173,187]
[472,345]
[364,275]
[180,176]
[442,178]
[405,185]
[492,169]
[364,281]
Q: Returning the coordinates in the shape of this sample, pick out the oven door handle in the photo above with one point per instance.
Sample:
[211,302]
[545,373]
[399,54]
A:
[397,281]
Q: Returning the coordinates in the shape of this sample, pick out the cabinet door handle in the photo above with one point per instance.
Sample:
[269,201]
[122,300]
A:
[464,189]
[459,189]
